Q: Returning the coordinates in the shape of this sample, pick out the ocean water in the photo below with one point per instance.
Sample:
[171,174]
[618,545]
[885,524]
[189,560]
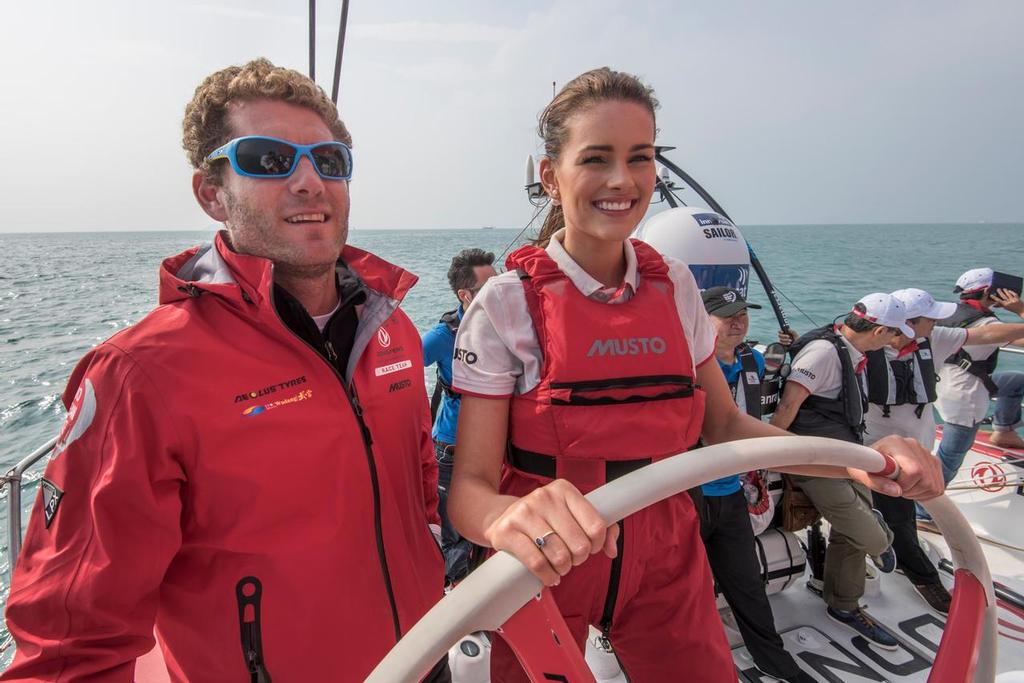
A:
[61,294]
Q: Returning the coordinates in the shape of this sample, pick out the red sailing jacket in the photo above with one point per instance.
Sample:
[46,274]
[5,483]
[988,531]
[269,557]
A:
[212,460]
[616,380]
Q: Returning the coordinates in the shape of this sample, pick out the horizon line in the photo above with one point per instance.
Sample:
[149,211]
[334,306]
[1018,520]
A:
[479,228]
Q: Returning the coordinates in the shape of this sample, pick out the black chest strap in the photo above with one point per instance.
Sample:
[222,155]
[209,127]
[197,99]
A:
[749,380]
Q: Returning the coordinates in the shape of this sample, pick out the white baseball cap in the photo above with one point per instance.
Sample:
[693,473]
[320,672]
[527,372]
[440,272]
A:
[921,304]
[974,280]
[885,309]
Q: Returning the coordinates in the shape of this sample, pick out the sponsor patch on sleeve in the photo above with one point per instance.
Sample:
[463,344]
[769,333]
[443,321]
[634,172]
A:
[52,496]
[80,416]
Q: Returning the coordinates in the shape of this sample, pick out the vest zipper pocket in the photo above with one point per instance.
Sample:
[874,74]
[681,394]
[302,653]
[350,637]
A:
[249,624]
[618,390]
[608,613]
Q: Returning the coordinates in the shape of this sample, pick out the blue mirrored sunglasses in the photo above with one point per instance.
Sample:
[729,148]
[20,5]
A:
[256,156]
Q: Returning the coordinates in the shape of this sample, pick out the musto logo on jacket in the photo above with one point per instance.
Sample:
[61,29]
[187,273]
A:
[616,381]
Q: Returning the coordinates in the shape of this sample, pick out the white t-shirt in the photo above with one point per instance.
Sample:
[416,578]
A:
[496,350]
[321,320]
[903,419]
[963,399]
[818,369]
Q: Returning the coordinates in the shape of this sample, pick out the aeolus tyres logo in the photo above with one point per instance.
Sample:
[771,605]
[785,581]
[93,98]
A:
[269,389]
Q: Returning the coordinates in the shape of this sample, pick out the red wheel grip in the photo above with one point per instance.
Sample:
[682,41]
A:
[891,470]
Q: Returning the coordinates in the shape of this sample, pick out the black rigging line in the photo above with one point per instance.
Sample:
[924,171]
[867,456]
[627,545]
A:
[312,40]
[341,50]
[540,209]
[809,318]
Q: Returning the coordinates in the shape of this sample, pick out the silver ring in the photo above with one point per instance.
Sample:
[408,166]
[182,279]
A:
[540,540]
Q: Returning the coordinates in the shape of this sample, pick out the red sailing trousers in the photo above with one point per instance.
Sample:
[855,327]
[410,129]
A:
[664,625]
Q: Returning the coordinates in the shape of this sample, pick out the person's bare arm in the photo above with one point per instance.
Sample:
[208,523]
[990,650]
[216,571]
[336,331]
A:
[996,333]
[483,515]
[920,475]
[793,396]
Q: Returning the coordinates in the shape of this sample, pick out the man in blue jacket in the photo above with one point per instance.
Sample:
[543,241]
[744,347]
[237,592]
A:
[724,522]
[469,270]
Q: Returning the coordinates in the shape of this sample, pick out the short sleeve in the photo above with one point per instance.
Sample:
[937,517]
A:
[699,330]
[945,341]
[484,363]
[981,351]
[817,368]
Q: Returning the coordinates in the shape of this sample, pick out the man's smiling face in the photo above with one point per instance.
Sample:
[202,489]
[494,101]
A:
[299,222]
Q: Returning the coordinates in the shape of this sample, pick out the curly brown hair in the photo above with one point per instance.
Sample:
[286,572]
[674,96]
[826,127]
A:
[206,124]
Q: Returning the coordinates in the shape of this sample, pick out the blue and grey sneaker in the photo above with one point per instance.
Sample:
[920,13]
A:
[860,623]
[886,562]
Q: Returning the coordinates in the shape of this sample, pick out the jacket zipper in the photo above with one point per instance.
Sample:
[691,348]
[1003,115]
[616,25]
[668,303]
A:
[368,443]
[368,448]
[613,590]
[252,638]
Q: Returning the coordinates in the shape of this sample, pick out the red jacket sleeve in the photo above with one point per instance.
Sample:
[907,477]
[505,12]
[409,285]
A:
[429,461]
[103,530]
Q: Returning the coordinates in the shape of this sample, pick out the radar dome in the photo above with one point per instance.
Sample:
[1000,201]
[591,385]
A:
[705,240]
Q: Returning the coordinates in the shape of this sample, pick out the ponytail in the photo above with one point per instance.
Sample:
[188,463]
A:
[553,222]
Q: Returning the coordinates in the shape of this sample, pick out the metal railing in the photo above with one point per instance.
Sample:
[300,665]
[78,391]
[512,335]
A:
[13,480]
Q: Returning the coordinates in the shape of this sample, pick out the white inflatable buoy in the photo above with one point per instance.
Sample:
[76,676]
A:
[707,241]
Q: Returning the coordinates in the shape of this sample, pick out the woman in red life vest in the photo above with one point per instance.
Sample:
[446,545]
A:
[593,356]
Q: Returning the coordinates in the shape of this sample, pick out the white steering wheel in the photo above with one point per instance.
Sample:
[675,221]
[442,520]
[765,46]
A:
[500,587]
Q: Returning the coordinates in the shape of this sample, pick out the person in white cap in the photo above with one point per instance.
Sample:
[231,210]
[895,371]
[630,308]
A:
[902,387]
[825,395]
[967,379]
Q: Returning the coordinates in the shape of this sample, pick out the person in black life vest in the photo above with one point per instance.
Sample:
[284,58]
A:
[722,506]
[902,386]
[968,380]
[825,396]
[468,272]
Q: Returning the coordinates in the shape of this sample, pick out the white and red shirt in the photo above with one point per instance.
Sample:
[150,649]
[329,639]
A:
[903,419]
[497,353]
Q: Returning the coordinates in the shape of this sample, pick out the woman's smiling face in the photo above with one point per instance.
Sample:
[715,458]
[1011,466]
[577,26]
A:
[604,175]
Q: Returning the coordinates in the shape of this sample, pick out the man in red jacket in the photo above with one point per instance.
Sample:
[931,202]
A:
[248,471]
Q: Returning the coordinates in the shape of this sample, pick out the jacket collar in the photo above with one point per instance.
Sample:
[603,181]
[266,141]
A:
[216,269]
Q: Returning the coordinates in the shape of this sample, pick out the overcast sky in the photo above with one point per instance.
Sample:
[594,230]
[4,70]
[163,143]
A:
[788,111]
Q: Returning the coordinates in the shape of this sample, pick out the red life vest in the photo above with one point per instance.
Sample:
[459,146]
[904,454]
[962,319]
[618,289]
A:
[616,384]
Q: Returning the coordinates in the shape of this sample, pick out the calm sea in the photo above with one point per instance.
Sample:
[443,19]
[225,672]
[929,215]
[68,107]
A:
[61,294]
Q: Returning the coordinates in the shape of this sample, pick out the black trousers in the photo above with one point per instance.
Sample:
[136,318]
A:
[440,673]
[911,559]
[729,541]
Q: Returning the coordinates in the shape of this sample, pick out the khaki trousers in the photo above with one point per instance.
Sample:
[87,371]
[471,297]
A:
[855,533]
